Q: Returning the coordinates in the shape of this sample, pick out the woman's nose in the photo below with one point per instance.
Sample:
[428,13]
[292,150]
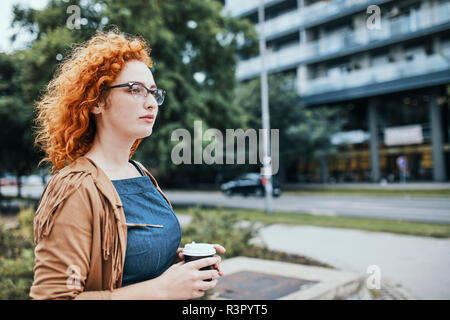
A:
[150,102]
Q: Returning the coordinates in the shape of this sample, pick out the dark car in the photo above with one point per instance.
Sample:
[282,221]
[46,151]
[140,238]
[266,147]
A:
[250,183]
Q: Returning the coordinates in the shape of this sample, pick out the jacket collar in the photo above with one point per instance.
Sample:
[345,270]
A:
[100,178]
[103,182]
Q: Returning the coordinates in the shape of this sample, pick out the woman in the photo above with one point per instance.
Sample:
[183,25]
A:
[103,228]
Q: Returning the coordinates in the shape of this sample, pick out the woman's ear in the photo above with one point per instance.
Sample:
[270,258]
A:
[98,109]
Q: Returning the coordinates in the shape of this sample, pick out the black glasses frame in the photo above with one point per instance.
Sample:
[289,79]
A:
[159,92]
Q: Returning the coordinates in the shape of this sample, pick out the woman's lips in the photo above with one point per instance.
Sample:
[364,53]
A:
[148,119]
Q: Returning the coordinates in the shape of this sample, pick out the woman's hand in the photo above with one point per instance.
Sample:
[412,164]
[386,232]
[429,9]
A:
[186,280]
[216,266]
[181,281]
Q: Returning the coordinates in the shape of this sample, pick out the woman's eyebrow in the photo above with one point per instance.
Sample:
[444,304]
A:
[152,86]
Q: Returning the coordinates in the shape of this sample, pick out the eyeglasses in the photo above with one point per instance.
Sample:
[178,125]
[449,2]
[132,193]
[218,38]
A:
[139,91]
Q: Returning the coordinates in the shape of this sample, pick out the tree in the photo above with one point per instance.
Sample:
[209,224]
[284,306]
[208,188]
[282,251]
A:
[17,155]
[193,49]
[304,133]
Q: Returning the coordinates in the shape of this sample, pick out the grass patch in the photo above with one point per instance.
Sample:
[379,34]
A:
[253,251]
[374,225]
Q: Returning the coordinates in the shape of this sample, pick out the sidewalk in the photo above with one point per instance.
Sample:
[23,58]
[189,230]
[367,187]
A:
[411,267]
[257,279]
[416,266]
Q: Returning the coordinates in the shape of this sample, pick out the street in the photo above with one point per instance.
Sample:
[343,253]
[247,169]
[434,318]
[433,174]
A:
[420,209]
[435,210]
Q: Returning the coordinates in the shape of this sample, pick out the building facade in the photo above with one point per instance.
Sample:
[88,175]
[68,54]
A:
[386,64]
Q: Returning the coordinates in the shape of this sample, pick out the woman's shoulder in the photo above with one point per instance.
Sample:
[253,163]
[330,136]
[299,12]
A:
[81,165]
[69,194]
[81,172]
[64,185]
[71,176]
[68,181]
[82,177]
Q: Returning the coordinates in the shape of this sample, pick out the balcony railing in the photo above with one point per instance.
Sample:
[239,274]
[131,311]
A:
[323,9]
[420,66]
[315,12]
[238,7]
[287,21]
[403,25]
[287,56]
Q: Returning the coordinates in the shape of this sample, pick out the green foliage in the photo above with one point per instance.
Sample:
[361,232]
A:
[374,225]
[222,227]
[186,37]
[16,143]
[17,258]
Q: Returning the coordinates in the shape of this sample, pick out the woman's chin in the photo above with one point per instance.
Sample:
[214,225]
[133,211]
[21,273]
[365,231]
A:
[146,134]
[141,132]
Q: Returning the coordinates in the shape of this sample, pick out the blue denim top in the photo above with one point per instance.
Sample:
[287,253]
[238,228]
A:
[150,250]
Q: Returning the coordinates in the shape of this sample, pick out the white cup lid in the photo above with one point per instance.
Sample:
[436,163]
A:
[198,249]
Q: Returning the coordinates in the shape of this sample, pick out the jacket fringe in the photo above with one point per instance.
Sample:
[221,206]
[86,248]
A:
[59,188]
[111,244]
[56,191]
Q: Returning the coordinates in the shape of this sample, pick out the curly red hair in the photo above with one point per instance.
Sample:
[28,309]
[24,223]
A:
[65,125]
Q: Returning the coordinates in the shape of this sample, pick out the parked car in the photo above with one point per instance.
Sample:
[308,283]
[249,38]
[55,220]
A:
[4,181]
[250,183]
[8,180]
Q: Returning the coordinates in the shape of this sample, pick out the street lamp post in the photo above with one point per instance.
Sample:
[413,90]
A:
[267,163]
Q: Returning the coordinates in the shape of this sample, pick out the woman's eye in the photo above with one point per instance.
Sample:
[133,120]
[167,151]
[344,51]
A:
[136,88]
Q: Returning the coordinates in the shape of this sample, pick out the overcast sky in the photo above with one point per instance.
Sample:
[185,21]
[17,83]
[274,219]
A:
[5,22]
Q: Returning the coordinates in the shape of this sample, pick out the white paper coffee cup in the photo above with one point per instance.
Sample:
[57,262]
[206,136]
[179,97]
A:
[195,251]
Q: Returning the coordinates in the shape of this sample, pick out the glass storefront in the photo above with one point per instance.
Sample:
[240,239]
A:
[405,146]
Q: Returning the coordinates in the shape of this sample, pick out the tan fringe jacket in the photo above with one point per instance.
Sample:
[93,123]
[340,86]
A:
[80,235]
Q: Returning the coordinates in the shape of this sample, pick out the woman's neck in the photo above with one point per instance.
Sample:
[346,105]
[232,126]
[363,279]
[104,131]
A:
[110,154]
